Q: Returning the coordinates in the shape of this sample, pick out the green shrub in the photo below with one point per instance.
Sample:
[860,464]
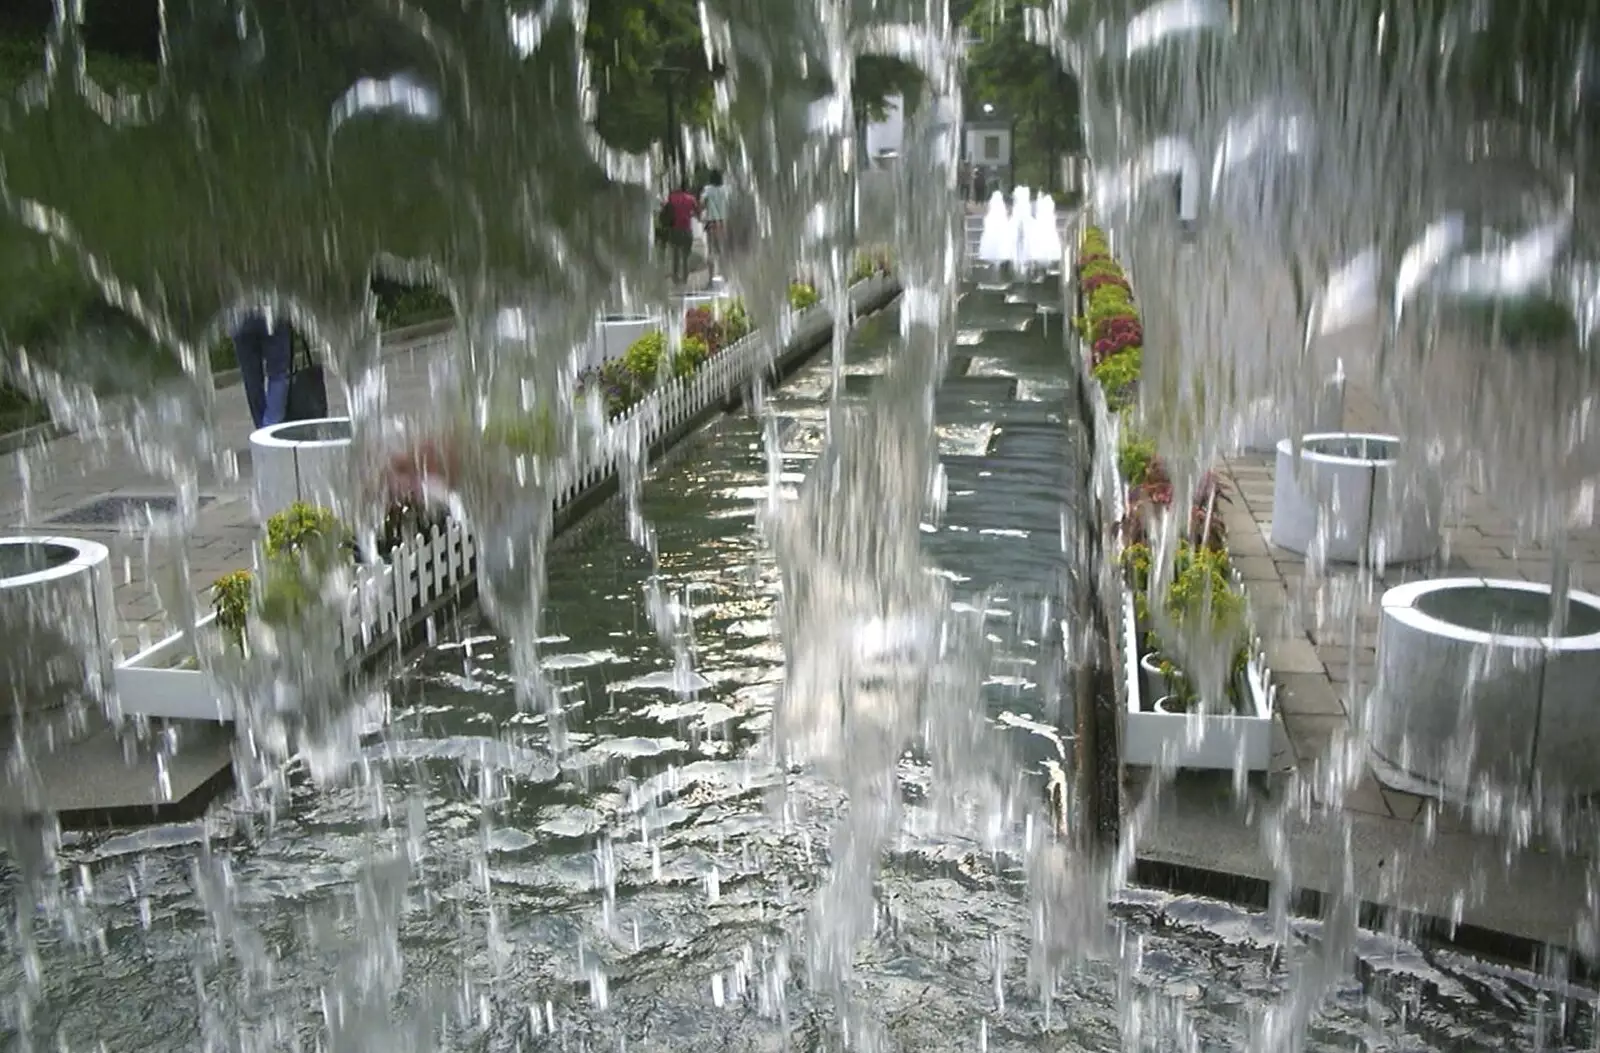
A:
[643,358]
[1101,269]
[304,531]
[303,543]
[1135,455]
[735,321]
[531,433]
[1110,301]
[230,601]
[1201,591]
[692,354]
[803,295]
[1118,374]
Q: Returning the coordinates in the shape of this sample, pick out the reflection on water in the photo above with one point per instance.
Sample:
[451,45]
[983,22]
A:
[647,888]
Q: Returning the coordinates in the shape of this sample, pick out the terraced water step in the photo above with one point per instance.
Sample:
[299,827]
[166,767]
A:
[955,392]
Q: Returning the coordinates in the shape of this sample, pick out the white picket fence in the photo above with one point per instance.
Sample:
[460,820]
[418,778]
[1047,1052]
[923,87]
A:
[167,679]
[679,400]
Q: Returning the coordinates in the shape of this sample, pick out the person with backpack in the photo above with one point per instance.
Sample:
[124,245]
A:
[680,211]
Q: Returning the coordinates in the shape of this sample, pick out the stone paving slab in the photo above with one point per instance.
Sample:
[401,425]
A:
[108,778]
[1327,663]
[1397,857]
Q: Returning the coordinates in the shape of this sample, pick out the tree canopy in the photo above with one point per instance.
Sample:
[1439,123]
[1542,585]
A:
[1024,80]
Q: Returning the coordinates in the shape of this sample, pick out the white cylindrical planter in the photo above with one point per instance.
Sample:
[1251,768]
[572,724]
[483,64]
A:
[1473,693]
[303,460]
[615,333]
[58,615]
[1267,421]
[1346,499]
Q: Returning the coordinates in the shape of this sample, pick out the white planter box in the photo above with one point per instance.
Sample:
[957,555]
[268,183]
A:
[165,680]
[1473,695]
[1200,741]
[305,460]
[1346,501]
[57,616]
[1207,741]
[385,598]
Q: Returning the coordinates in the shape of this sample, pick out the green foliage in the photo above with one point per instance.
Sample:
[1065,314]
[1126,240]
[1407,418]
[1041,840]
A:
[1535,321]
[868,263]
[402,305]
[1110,301]
[1024,80]
[877,79]
[803,295]
[1101,268]
[643,358]
[230,601]
[618,386]
[641,53]
[1201,593]
[1135,454]
[530,433]
[1136,564]
[735,321]
[1119,374]
[303,544]
[692,354]
[305,532]
[288,590]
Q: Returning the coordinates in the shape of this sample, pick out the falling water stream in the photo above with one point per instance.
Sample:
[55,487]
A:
[771,756]
[651,886]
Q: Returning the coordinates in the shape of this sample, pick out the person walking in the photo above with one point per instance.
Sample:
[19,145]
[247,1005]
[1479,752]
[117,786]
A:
[262,346]
[714,214]
[683,207]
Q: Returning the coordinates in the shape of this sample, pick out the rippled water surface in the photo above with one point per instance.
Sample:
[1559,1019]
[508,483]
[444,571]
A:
[646,888]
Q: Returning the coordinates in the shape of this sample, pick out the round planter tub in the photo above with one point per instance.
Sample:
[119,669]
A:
[1266,422]
[615,333]
[1472,690]
[303,460]
[59,616]
[1346,501]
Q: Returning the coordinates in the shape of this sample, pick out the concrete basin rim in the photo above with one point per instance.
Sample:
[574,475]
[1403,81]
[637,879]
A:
[1399,604]
[1286,448]
[268,437]
[90,554]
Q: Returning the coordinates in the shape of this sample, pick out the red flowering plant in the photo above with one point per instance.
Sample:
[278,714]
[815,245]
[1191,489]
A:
[703,324]
[1095,282]
[1114,335]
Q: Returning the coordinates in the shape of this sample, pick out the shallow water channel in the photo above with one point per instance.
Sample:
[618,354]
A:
[647,888]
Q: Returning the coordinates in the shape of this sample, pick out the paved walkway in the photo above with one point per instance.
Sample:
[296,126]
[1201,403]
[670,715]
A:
[1325,670]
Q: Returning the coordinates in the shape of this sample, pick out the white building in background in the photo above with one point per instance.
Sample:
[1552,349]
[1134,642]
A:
[987,147]
[884,138]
